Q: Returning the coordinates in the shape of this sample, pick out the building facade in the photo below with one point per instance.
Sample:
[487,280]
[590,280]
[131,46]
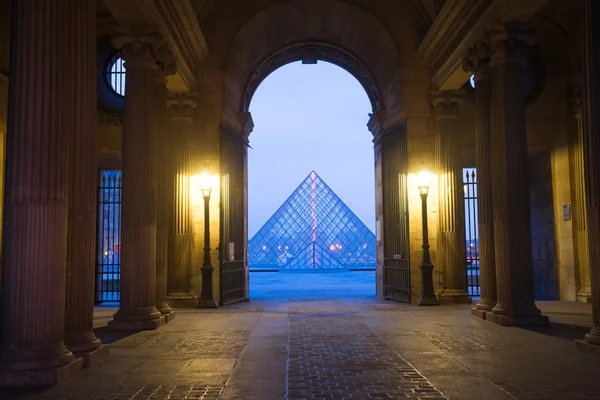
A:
[160,90]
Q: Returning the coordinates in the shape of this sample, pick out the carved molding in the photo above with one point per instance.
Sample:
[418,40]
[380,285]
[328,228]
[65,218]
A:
[446,103]
[182,106]
[575,101]
[479,54]
[241,123]
[311,52]
[176,19]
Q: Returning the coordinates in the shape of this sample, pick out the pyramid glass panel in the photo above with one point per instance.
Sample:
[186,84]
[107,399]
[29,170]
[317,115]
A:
[313,229]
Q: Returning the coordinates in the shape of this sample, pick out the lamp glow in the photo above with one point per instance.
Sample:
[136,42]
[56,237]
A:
[424,181]
[205,181]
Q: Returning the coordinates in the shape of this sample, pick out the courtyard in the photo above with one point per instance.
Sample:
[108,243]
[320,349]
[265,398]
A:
[326,336]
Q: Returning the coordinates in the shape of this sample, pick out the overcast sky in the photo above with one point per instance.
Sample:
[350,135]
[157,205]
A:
[310,117]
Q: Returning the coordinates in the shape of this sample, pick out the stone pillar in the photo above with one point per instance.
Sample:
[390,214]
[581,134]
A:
[181,293]
[81,238]
[591,144]
[451,209]
[580,231]
[139,215]
[167,66]
[512,225]
[477,62]
[34,260]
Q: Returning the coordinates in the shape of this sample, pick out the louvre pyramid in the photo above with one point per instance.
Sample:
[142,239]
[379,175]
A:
[313,229]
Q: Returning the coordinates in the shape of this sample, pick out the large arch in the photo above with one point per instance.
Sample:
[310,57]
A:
[276,36]
[311,52]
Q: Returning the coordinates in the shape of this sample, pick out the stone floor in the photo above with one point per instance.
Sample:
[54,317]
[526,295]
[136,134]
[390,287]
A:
[322,344]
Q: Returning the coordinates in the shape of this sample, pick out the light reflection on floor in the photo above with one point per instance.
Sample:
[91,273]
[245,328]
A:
[312,285]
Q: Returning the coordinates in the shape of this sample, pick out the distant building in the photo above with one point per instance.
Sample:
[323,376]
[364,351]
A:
[313,229]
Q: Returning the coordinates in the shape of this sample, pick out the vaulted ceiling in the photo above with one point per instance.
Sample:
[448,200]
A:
[429,8]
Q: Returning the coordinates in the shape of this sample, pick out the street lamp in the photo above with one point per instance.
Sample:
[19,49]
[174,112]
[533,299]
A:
[206,298]
[427,294]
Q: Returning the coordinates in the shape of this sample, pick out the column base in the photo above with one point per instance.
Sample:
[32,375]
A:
[94,357]
[428,301]
[518,320]
[182,301]
[585,347]
[120,325]
[481,314]
[169,317]
[210,303]
[584,298]
[163,307]
[10,378]
[454,297]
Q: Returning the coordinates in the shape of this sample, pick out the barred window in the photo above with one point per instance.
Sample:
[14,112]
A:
[115,75]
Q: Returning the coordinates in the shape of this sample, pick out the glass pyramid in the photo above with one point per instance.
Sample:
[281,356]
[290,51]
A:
[313,229]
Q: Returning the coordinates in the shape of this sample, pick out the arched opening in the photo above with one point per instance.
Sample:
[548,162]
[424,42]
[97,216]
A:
[311,214]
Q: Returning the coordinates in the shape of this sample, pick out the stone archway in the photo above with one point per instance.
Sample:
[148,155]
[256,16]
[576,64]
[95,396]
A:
[310,53]
[276,36]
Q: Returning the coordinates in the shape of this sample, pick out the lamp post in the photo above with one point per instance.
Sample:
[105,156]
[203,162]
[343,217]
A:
[427,294]
[206,298]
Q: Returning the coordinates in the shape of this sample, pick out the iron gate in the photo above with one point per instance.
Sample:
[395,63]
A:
[396,245]
[232,248]
[108,271]
[472,232]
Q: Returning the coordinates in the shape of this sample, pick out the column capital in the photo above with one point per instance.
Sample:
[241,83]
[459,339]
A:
[508,41]
[576,102]
[165,58]
[138,45]
[478,56]
[445,103]
[182,106]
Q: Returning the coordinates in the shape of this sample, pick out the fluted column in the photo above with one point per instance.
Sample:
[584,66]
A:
[477,62]
[512,226]
[451,209]
[580,231]
[81,238]
[139,215]
[32,300]
[591,144]
[181,293]
[167,67]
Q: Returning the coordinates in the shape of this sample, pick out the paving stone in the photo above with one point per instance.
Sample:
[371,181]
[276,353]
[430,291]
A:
[336,355]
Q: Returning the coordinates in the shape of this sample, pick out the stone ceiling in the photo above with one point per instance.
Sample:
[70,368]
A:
[430,8]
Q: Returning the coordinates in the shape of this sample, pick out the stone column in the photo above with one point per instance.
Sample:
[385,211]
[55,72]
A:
[167,67]
[181,293]
[580,231]
[36,199]
[451,209]
[477,62]
[591,144]
[81,238]
[139,217]
[512,225]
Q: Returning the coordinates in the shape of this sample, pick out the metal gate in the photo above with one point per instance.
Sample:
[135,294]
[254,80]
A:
[472,231]
[108,265]
[232,248]
[396,245]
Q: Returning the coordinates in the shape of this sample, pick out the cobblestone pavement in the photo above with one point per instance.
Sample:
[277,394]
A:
[332,346]
[336,356]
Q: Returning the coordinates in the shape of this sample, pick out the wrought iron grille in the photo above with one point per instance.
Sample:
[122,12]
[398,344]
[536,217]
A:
[472,231]
[108,266]
[396,244]
[115,74]
[233,278]
[313,229]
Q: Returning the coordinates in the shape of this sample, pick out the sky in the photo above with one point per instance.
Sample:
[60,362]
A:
[310,117]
